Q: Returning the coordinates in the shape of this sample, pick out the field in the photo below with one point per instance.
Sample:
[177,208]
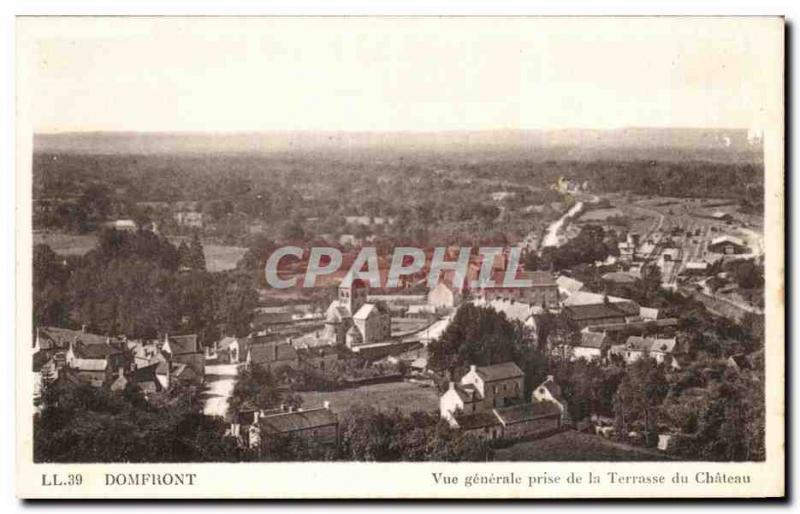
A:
[218,257]
[575,446]
[406,396]
[221,258]
[65,244]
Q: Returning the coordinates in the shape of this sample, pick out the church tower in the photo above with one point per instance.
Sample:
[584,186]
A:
[352,294]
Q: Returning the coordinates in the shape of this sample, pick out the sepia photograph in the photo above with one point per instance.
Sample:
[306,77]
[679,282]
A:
[456,244]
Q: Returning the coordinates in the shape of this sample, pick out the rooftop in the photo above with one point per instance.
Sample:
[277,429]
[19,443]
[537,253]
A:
[502,371]
[527,412]
[299,420]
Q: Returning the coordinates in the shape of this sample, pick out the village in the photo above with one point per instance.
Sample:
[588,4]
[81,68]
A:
[373,347]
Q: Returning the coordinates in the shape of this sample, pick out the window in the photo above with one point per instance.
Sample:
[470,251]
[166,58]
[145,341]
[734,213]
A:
[494,388]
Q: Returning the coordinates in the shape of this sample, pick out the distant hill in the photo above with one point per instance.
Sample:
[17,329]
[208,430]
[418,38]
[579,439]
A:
[574,144]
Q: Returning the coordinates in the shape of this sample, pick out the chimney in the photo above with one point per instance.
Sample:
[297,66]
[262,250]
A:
[473,368]
[326,405]
[452,385]
[83,328]
[550,378]
[121,373]
[275,352]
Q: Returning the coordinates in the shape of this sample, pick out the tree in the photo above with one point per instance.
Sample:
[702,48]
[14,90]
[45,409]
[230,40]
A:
[477,335]
[195,258]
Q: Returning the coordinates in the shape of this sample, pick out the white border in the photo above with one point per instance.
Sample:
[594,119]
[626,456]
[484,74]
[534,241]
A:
[320,7]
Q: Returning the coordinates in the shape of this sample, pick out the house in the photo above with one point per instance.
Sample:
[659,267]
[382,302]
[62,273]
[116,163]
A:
[647,313]
[529,419]
[589,348]
[145,353]
[567,285]
[185,349]
[550,391]
[727,245]
[693,268]
[231,350]
[542,290]
[145,377]
[122,225]
[320,424]
[96,363]
[523,312]
[56,338]
[319,358]
[444,296]
[637,347]
[596,314]
[190,219]
[272,355]
[466,405]
[619,277]
[483,388]
[171,373]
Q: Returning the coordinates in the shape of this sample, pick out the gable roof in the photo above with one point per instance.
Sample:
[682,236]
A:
[551,385]
[503,371]
[183,344]
[95,351]
[61,337]
[568,284]
[622,277]
[727,239]
[649,344]
[467,392]
[299,420]
[589,298]
[592,339]
[476,420]
[272,352]
[514,310]
[539,278]
[527,412]
[594,311]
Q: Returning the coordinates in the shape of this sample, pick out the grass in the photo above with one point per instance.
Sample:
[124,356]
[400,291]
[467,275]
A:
[575,446]
[218,257]
[221,258]
[66,244]
[406,396]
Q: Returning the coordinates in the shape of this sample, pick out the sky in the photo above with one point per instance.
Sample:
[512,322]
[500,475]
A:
[387,74]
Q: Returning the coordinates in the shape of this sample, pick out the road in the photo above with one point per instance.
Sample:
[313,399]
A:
[220,379]
[551,235]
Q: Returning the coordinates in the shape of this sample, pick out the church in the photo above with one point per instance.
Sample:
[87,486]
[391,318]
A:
[353,321]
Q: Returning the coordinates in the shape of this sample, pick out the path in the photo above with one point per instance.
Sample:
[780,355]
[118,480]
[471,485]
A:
[220,379]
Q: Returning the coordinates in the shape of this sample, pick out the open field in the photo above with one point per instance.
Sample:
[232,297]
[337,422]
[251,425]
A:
[575,446]
[221,258]
[218,257]
[406,396]
[65,244]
